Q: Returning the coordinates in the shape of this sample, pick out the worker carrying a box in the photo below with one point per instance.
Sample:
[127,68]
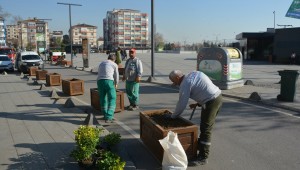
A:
[197,86]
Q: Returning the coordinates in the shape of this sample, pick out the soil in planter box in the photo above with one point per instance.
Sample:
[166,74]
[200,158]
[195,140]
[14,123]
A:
[168,123]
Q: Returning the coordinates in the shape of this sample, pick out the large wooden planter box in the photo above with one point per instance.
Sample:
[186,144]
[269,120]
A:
[151,132]
[95,102]
[32,71]
[53,79]
[41,74]
[73,86]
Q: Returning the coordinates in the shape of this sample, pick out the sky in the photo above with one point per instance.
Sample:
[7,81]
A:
[183,21]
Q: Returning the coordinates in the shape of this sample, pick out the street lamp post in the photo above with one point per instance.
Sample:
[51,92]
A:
[152,42]
[70,31]
[21,36]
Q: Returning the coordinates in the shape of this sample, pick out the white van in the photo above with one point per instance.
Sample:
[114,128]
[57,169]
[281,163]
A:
[27,59]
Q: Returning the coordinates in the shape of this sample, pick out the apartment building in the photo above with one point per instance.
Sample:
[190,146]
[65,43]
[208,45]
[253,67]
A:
[12,34]
[2,32]
[100,43]
[33,34]
[81,31]
[125,28]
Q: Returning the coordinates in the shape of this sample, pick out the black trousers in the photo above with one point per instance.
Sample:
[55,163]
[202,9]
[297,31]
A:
[208,117]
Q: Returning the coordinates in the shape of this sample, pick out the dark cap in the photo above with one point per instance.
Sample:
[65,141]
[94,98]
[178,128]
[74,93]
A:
[111,57]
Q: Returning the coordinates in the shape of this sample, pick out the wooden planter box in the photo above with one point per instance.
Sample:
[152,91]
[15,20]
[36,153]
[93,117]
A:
[151,132]
[95,102]
[41,74]
[53,79]
[121,70]
[73,86]
[32,71]
[65,62]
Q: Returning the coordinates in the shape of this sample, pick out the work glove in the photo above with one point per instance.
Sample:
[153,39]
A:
[167,116]
[193,106]
[137,79]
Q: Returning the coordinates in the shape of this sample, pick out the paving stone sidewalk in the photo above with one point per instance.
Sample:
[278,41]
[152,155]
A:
[36,132]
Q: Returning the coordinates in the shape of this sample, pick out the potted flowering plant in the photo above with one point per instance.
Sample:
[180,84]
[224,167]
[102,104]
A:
[87,138]
[110,140]
[110,161]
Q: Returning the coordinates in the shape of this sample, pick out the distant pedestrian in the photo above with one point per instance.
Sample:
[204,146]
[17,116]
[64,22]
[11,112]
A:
[132,74]
[118,57]
[123,54]
[50,55]
[75,52]
[107,83]
[293,58]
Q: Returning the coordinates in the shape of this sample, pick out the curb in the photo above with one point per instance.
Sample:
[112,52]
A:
[264,102]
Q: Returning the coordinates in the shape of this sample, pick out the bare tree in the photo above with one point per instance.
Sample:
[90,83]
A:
[16,19]
[158,37]
[4,14]
[159,41]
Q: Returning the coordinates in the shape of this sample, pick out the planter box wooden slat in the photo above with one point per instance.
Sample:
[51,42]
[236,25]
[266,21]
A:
[32,71]
[41,74]
[73,86]
[151,132]
[53,79]
[95,102]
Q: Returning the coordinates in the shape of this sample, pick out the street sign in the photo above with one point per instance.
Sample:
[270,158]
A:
[294,10]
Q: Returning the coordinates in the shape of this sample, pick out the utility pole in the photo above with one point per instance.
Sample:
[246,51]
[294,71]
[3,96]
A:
[274,19]
[151,78]
[70,31]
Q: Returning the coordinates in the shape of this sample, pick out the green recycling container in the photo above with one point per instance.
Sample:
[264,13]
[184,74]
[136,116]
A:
[288,85]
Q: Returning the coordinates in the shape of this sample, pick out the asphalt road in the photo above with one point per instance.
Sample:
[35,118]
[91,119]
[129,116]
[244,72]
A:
[246,136]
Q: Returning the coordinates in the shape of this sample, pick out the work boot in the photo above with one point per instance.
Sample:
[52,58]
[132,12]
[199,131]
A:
[198,161]
[134,107]
[203,150]
[129,107]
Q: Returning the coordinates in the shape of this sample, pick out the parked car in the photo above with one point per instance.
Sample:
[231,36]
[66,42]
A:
[6,63]
[27,59]
[10,52]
